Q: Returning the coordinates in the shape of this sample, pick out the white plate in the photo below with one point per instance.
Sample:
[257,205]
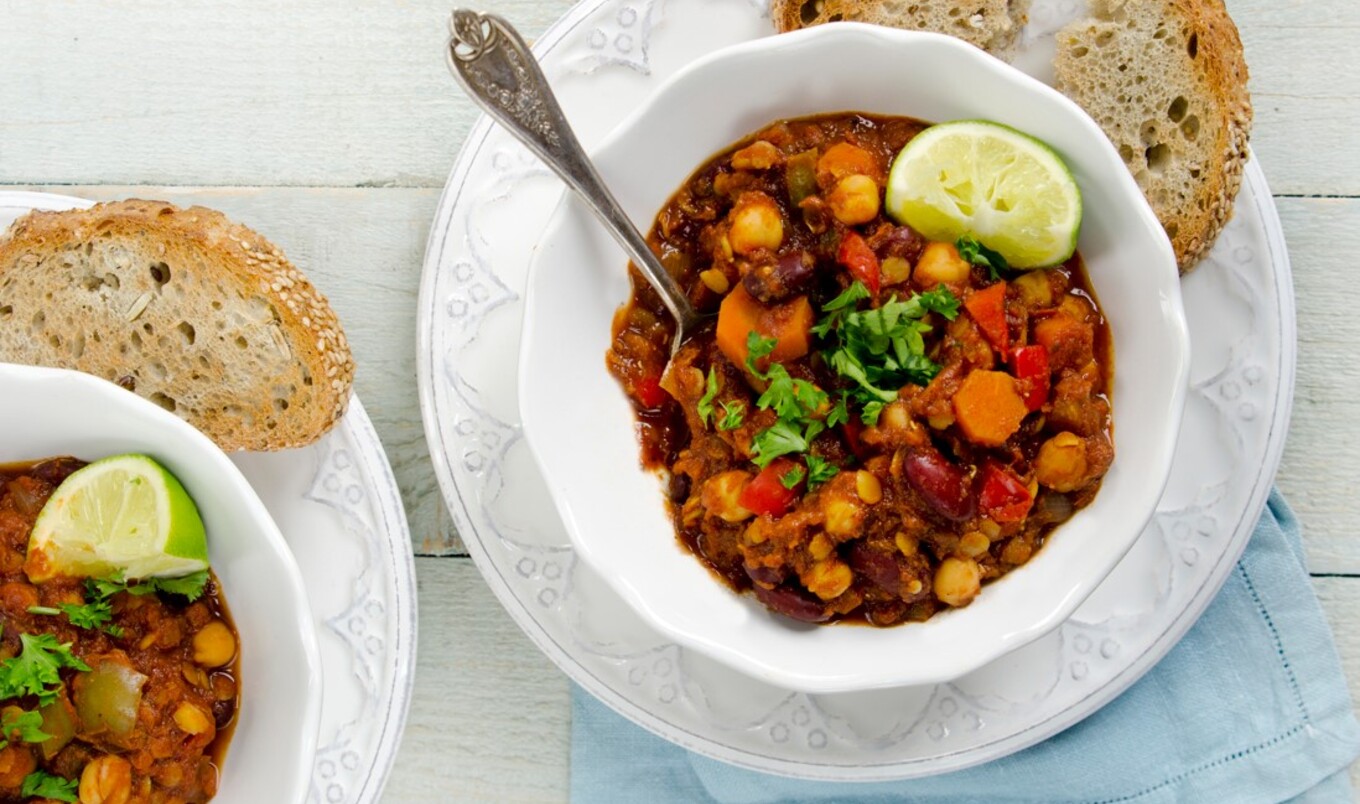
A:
[338,507]
[603,58]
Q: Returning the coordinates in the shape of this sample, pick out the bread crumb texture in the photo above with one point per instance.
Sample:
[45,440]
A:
[989,24]
[1167,81]
[200,315]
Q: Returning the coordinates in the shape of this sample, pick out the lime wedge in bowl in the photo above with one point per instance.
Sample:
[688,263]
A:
[1005,188]
[123,514]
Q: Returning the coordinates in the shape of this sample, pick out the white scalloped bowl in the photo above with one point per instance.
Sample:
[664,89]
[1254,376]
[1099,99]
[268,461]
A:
[580,426]
[69,413]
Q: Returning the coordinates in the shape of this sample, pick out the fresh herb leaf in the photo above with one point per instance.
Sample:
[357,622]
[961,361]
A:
[25,726]
[190,586]
[733,415]
[758,348]
[871,412]
[91,616]
[792,478]
[783,438]
[840,413]
[976,253]
[38,665]
[819,471]
[40,784]
[48,610]
[848,297]
[791,398]
[705,405]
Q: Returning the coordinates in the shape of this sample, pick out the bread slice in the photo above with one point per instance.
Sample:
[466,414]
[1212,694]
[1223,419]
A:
[200,315]
[1167,82]
[989,24]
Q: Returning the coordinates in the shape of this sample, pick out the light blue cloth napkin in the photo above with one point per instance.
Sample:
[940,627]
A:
[1250,706]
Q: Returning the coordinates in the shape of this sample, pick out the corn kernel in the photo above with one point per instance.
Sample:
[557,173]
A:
[906,545]
[941,421]
[867,487]
[895,271]
[820,547]
[842,516]
[974,544]
[828,579]
[715,281]
[914,587]
[989,528]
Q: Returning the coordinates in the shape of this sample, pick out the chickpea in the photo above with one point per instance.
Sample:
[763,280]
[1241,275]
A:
[759,155]
[941,263]
[895,270]
[214,645]
[820,547]
[106,780]
[867,486]
[1034,289]
[192,720]
[828,579]
[957,581]
[721,493]
[854,200]
[756,223]
[1061,464]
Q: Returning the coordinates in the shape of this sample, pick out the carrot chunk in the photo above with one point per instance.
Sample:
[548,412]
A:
[988,408]
[790,324]
[988,309]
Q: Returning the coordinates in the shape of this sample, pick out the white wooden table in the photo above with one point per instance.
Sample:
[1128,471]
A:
[330,126]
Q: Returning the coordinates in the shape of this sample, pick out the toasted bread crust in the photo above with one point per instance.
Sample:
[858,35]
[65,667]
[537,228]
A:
[992,25]
[200,314]
[1203,68]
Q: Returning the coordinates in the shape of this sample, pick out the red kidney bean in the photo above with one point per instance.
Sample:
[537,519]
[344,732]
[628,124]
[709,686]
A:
[879,567]
[904,242]
[789,275]
[942,484]
[766,576]
[793,603]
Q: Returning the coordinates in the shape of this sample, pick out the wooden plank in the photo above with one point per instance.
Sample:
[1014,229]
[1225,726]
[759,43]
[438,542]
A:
[490,720]
[1322,457]
[363,248]
[243,93]
[504,735]
[357,94]
[1305,102]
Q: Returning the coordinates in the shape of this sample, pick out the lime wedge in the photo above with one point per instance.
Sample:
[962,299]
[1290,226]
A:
[1005,188]
[121,514]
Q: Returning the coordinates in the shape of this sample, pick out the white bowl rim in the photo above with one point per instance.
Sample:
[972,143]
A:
[974,654]
[121,403]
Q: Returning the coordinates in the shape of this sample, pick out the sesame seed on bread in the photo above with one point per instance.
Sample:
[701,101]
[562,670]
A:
[1167,81]
[992,25]
[196,313]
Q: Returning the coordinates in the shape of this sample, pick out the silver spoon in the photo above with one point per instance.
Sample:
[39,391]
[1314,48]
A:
[494,65]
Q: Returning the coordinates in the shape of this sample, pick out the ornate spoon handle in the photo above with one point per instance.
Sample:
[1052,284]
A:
[494,65]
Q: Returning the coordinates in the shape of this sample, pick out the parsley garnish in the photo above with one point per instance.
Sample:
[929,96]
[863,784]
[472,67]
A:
[92,616]
[976,253]
[784,437]
[37,665]
[840,413]
[705,406]
[26,726]
[190,586]
[758,347]
[40,784]
[792,478]
[819,471]
[882,349]
[733,415]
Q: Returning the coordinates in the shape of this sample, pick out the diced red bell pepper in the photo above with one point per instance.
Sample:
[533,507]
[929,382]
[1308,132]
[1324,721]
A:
[851,428]
[649,392]
[988,309]
[1004,497]
[860,260]
[1030,364]
[766,494]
